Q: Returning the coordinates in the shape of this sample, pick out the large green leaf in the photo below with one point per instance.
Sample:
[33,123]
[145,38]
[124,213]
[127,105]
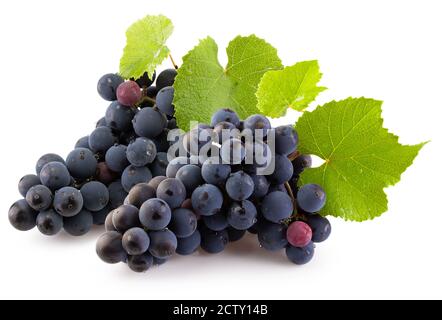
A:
[361,157]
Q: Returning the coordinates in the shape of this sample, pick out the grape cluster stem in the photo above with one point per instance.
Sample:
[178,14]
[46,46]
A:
[173,61]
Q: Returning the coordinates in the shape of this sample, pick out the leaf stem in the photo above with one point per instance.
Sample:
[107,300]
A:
[296,215]
[291,195]
[173,61]
[151,100]
[294,155]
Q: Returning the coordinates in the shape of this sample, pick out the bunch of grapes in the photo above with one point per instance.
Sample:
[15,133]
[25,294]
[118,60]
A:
[160,191]
[127,147]
[224,179]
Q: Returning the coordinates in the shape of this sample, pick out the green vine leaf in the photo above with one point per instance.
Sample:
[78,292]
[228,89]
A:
[361,157]
[293,87]
[203,86]
[145,48]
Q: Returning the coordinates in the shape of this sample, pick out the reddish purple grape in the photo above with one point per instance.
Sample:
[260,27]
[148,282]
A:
[299,234]
[128,93]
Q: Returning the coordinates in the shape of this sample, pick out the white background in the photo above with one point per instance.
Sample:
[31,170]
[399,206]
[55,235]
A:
[52,54]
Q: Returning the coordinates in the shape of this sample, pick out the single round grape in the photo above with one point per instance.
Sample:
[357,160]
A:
[79,224]
[44,160]
[242,215]
[189,245]
[300,256]
[140,193]
[166,78]
[276,206]
[183,222]
[283,170]
[155,182]
[261,186]
[125,217]
[21,216]
[320,226]
[155,214]
[107,86]
[116,158]
[68,201]
[119,117]
[172,191]
[145,80]
[82,143]
[49,222]
[128,93]
[163,243]
[104,174]
[225,131]
[286,140]
[133,175]
[214,172]
[117,194]
[27,182]
[258,122]
[109,223]
[160,164]
[272,236]
[95,196]
[233,151]
[207,200]
[240,186]
[136,241]
[174,165]
[213,241]
[216,222]
[100,216]
[299,234]
[140,263]
[101,139]
[81,163]
[149,123]
[39,197]
[141,152]
[110,248]
[55,175]
[311,198]
[164,101]
[300,163]
[225,115]
[235,234]
[190,176]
